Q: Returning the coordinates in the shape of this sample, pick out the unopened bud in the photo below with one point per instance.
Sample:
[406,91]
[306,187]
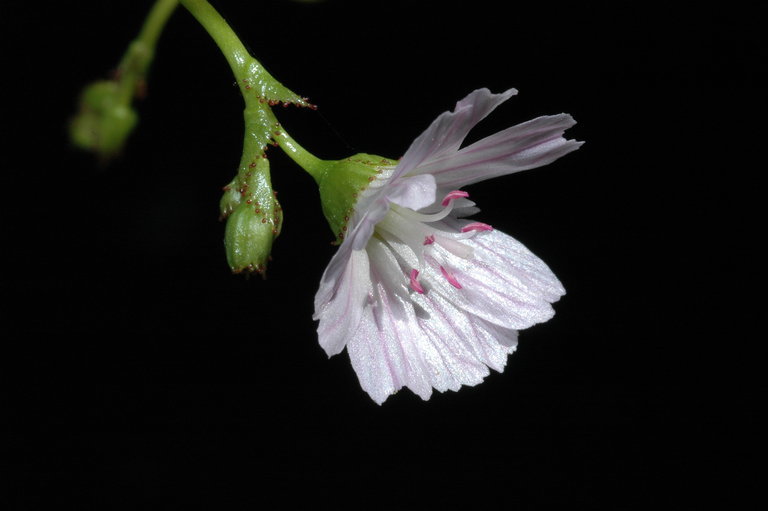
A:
[104,122]
[254,220]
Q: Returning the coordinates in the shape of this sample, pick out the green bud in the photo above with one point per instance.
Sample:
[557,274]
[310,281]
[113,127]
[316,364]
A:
[103,123]
[341,183]
[254,219]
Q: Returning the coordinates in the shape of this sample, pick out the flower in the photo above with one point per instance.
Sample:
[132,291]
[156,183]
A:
[420,296]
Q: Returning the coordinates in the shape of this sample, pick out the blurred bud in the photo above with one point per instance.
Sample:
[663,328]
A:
[103,123]
[341,184]
[254,219]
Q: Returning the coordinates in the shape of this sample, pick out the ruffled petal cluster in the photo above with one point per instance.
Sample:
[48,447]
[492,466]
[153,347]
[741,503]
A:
[420,296]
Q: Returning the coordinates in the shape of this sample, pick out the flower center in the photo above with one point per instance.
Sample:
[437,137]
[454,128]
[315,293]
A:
[421,240]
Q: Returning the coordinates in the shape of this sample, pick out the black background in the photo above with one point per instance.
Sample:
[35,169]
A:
[142,374]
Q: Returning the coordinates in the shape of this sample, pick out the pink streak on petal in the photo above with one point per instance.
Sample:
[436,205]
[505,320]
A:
[476,226]
[415,283]
[453,195]
[450,278]
[428,240]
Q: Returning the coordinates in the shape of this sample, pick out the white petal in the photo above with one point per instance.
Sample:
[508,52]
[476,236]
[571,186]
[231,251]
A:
[396,348]
[339,301]
[504,253]
[331,279]
[468,344]
[446,133]
[413,192]
[387,270]
[384,351]
[368,212]
[486,343]
[528,145]
[370,361]
[442,347]
[505,285]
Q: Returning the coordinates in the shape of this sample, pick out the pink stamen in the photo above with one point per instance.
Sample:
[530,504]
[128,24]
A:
[428,240]
[476,226]
[450,278]
[415,283]
[456,194]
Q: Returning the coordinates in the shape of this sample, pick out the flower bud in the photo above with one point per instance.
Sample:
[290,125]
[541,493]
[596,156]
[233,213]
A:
[254,219]
[103,123]
[341,183]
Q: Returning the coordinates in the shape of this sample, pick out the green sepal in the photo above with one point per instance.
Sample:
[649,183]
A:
[341,183]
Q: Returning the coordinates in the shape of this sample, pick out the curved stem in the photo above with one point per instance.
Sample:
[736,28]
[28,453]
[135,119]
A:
[218,28]
[258,87]
[313,165]
[156,20]
[137,59]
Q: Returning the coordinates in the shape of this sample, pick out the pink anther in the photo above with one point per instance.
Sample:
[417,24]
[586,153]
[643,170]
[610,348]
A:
[455,194]
[450,278]
[415,283]
[476,226]
[428,240]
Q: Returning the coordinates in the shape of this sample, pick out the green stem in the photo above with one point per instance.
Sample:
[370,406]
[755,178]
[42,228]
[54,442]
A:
[259,89]
[313,165]
[225,38]
[137,59]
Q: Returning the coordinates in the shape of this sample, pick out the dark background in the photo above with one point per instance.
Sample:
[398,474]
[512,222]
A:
[142,374]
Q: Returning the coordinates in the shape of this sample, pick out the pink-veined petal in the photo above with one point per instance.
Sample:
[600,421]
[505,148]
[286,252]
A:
[339,302]
[512,295]
[364,221]
[368,354]
[467,341]
[383,351]
[528,145]
[446,133]
[442,347]
[508,256]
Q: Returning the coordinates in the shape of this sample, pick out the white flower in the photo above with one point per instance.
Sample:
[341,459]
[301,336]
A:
[420,297]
